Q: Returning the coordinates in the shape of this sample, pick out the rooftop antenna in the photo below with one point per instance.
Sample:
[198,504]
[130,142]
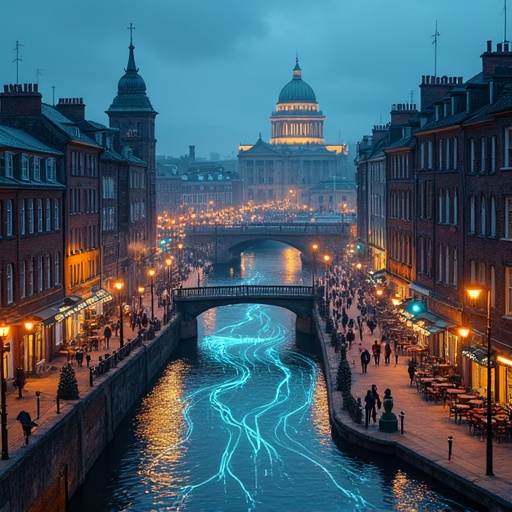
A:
[434,42]
[131,28]
[18,59]
[39,72]
[505,21]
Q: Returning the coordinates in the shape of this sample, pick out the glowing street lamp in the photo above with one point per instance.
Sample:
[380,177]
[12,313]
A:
[151,274]
[168,262]
[327,259]
[141,290]
[4,331]
[315,250]
[473,294]
[119,285]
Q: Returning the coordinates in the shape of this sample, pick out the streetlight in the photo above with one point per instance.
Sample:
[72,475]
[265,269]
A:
[474,293]
[151,274]
[168,262]
[29,325]
[315,249]
[141,290]
[327,259]
[119,285]
[4,331]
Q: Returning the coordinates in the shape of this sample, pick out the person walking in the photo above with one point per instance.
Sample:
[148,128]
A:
[412,370]
[376,352]
[19,381]
[387,353]
[26,424]
[365,359]
[369,406]
[108,334]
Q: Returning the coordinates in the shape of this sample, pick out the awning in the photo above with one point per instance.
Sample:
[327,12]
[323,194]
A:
[426,323]
[478,355]
[70,305]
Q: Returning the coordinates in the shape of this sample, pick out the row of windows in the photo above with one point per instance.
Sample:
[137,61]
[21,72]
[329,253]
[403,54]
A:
[137,211]
[34,215]
[35,276]
[400,205]
[447,267]
[448,206]
[83,271]
[138,178]
[447,154]
[401,248]
[28,167]
[83,201]
[399,165]
[84,164]
[82,239]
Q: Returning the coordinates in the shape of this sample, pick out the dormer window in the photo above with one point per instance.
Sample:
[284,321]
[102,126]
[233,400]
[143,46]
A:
[24,167]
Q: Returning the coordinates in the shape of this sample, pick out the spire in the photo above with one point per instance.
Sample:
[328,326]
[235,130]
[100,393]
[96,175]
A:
[297,72]
[131,59]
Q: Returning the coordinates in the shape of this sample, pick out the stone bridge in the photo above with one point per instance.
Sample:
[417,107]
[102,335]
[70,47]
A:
[225,243]
[189,303]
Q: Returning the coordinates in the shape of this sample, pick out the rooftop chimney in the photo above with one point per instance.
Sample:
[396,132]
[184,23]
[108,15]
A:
[72,108]
[20,101]
[192,153]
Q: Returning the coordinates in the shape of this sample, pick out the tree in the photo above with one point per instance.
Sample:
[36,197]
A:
[68,385]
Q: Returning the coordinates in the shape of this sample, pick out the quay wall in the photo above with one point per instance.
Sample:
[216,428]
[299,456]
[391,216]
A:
[396,445]
[43,475]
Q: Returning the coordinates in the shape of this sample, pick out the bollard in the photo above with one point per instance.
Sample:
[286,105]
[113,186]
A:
[57,401]
[450,443]
[91,369]
[38,395]
[402,414]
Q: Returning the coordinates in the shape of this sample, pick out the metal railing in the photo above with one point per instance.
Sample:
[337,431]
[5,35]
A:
[244,290]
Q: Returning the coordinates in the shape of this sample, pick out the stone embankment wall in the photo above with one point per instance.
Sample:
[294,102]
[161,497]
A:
[51,469]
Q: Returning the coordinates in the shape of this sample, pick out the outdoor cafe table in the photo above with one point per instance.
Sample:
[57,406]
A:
[466,398]
[456,391]
[460,409]
[476,401]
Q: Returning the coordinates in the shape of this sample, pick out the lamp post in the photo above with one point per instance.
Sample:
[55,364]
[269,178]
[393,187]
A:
[327,259]
[168,262]
[4,331]
[29,326]
[119,285]
[151,274]
[141,291]
[315,250]
[474,293]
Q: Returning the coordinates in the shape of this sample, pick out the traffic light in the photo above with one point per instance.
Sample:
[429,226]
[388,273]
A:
[360,247]
[416,307]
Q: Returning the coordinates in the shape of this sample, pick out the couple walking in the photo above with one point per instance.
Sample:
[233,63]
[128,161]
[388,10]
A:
[372,403]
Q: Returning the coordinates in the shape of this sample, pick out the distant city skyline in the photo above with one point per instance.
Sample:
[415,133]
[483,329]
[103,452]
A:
[214,70]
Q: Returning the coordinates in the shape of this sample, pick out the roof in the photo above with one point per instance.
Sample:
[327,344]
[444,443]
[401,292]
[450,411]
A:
[297,91]
[14,138]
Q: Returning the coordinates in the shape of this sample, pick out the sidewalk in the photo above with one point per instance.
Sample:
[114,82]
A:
[426,424]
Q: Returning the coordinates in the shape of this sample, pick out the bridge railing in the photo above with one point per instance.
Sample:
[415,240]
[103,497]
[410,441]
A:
[244,290]
[271,227]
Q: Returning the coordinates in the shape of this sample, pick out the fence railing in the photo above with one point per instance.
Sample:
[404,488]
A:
[244,290]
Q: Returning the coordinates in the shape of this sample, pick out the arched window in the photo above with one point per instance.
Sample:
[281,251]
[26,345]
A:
[23,280]
[441,205]
[22,216]
[8,219]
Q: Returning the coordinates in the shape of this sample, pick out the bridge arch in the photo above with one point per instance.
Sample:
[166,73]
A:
[189,303]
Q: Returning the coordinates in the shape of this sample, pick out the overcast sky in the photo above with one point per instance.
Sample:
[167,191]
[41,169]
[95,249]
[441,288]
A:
[214,68]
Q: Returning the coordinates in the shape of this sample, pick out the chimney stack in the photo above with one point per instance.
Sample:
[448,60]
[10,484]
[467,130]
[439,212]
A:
[20,101]
[72,108]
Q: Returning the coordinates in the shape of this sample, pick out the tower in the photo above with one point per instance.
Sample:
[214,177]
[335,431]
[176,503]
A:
[133,115]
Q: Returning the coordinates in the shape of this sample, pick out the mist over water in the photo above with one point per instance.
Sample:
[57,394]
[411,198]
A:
[239,421]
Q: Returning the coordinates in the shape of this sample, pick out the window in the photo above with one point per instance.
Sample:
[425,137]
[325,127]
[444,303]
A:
[492,162]
[8,219]
[23,280]
[56,269]
[508,300]
[508,148]
[48,272]
[23,216]
[10,283]
[48,215]
[482,155]
[31,277]
[440,263]
[56,215]
[493,216]
[30,216]
[483,215]
[447,265]
[51,170]
[447,207]
[36,168]
[430,154]
[455,157]
[40,274]
[455,207]
[39,215]
[492,283]
[24,167]
[508,218]
[472,215]
[455,267]
[8,164]
[441,206]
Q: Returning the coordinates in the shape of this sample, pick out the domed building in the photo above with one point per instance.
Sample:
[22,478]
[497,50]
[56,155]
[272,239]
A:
[296,160]
[297,119]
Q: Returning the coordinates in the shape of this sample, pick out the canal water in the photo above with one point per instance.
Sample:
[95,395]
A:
[238,422]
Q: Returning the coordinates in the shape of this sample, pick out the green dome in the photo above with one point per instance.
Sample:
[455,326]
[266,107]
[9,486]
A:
[297,91]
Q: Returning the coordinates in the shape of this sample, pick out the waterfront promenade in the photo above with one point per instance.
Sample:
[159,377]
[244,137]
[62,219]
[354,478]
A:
[426,426]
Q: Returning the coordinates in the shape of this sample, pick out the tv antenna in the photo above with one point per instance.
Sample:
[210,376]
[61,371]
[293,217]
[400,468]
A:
[434,42]
[505,21]
[18,59]
[39,72]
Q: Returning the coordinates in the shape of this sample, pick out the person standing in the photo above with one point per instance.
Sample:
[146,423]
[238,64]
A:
[108,334]
[365,359]
[387,353]
[369,406]
[412,370]
[377,404]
